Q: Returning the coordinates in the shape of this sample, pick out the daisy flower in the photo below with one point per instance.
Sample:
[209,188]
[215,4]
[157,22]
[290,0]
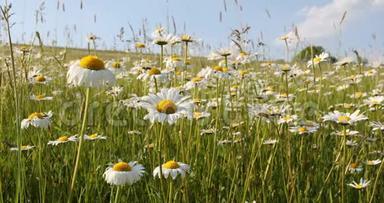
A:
[376,125]
[89,72]
[162,39]
[187,38]
[318,59]
[344,118]
[115,67]
[347,132]
[153,74]
[39,79]
[63,139]
[40,97]
[374,101]
[199,115]
[38,120]
[198,82]
[123,173]
[172,62]
[270,141]
[167,106]
[172,168]
[133,102]
[304,130]
[373,162]
[22,148]
[94,136]
[287,119]
[140,45]
[114,91]
[355,168]
[361,185]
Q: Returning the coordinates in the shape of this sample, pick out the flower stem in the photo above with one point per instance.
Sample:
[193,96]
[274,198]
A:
[117,194]
[80,142]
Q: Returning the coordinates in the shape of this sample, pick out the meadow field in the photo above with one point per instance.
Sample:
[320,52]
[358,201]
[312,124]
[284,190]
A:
[156,124]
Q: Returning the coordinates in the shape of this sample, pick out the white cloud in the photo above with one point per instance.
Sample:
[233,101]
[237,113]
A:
[322,21]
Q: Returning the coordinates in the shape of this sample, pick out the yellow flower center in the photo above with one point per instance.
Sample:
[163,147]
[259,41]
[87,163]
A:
[343,119]
[358,94]
[154,71]
[116,64]
[243,72]
[302,130]
[186,38]
[317,60]
[175,58]
[93,136]
[62,138]
[40,96]
[287,117]
[40,78]
[166,106]
[140,45]
[171,165]
[359,186]
[24,49]
[197,79]
[24,147]
[91,63]
[197,101]
[286,68]
[353,165]
[122,166]
[36,115]
[243,53]
[197,114]
[220,69]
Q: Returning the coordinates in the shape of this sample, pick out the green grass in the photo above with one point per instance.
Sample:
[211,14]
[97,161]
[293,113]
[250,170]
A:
[295,169]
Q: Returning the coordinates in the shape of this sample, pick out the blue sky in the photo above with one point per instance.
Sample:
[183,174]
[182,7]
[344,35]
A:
[315,19]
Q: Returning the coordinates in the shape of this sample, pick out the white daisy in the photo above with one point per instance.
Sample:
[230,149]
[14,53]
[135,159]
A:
[198,82]
[116,67]
[361,185]
[304,129]
[153,74]
[173,62]
[40,97]
[199,115]
[114,91]
[318,59]
[22,148]
[94,136]
[376,125]
[63,139]
[172,168]
[123,173]
[167,106]
[287,119]
[38,120]
[89,72]
[270,141]
[344,118]
[373,162]
[374,101]
[39,79]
